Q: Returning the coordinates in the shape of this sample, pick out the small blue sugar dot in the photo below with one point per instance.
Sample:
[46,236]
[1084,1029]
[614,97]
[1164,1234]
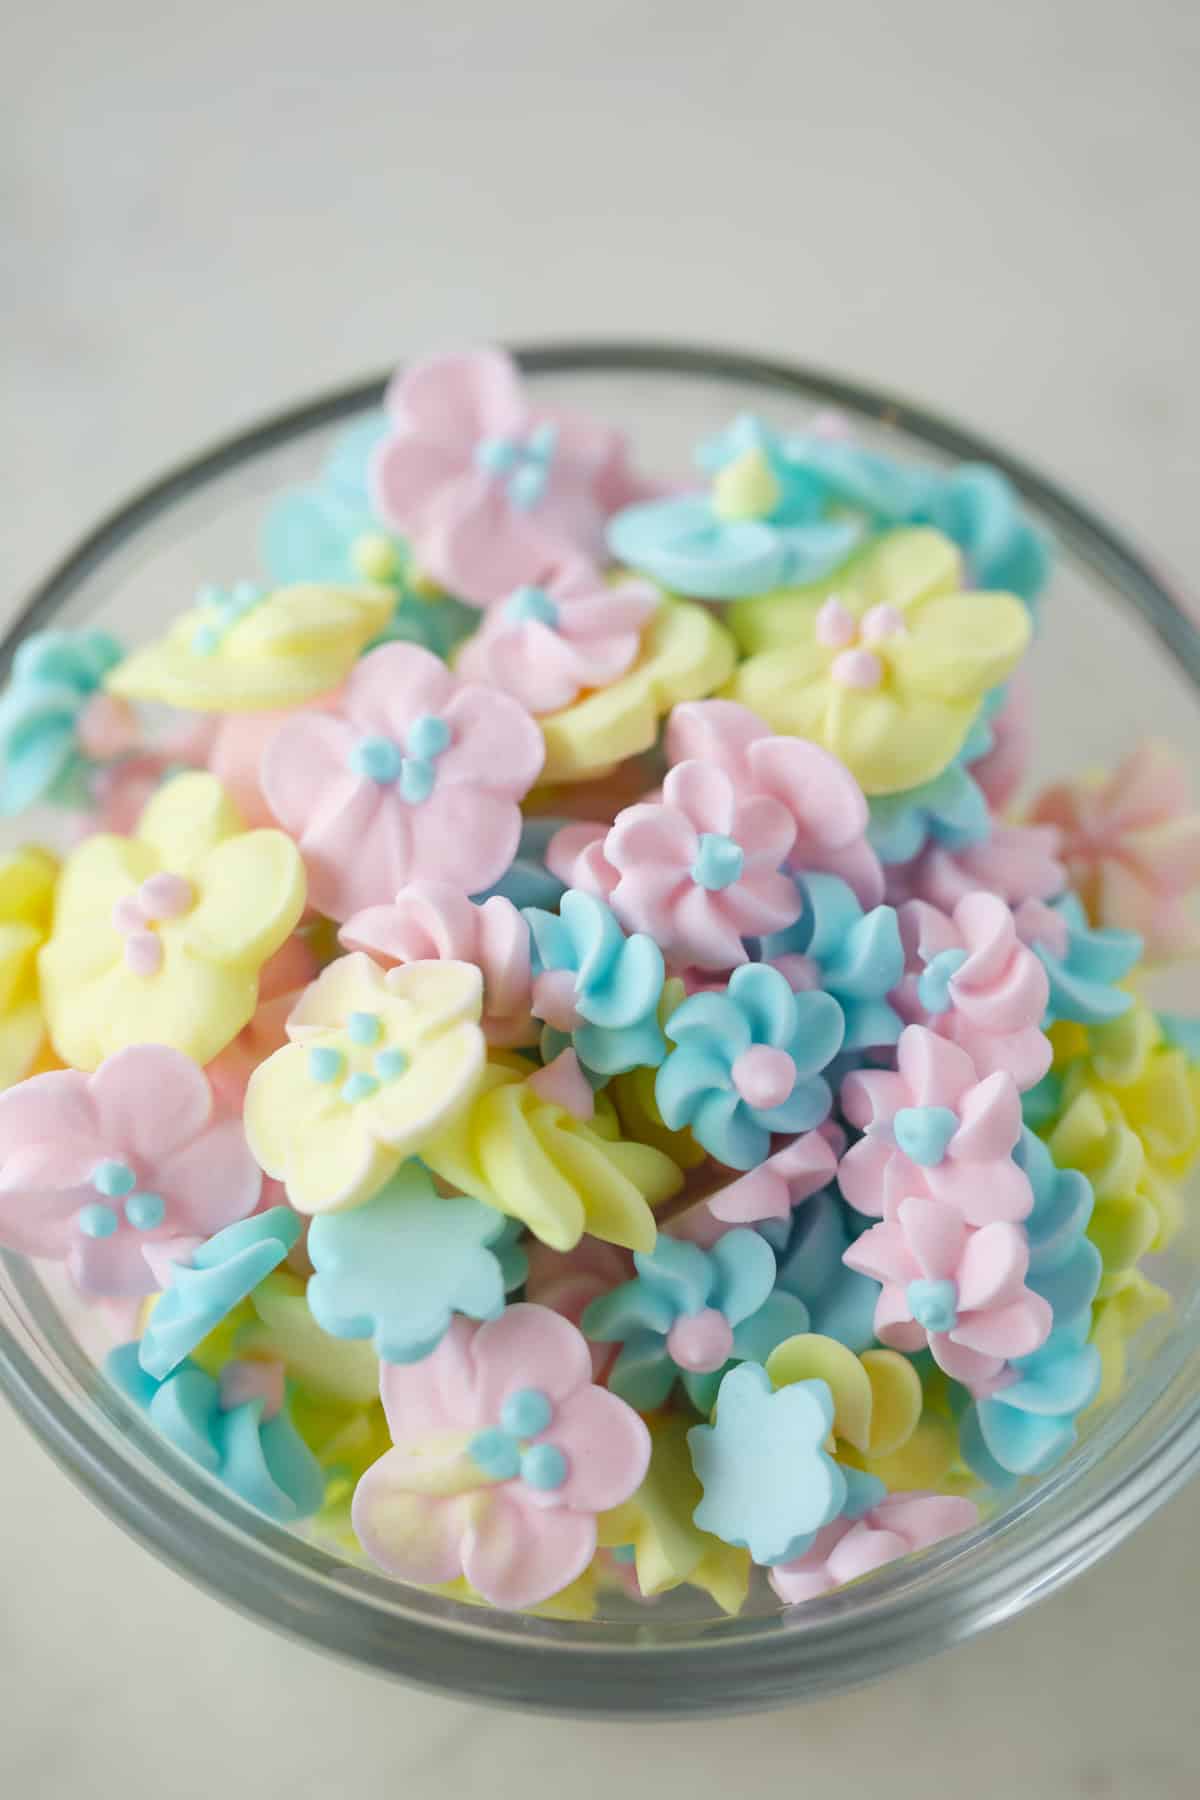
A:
[145,1212]
[543,1466]
[417,778]
[112,1178]
[378,758]
[97,1221]
[496,1453]
[427,736]
[325,1064]
[359,1087]
[389,1064]
[364,1028]
[526,1412]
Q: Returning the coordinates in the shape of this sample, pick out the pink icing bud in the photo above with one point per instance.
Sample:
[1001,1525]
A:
[883,622]
[564,1083]
[857,669]
[143,953]
[836,625]
[167,896]
[700,1342]
[764,1077]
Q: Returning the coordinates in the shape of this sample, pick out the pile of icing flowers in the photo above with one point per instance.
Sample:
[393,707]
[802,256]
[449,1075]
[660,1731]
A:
[546,1034]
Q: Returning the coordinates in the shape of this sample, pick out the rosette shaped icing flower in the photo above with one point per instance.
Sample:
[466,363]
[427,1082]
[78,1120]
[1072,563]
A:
[27,882]
[595,988]
[1131,843]
[204,1281]
[417,776]
[379,1061]
[160,937]
[492,494]
[431,921]
[747,1065]
[958,1291]
[99,1170]
[1028,1426]
[1083,966]
[252,649]
[850,1548]
[932,1128]
[1016,863]
[886,665]
[826,804]
[689,1313]
[55,721]
[547,645]
[503,1455]
[855,956]
[972,979]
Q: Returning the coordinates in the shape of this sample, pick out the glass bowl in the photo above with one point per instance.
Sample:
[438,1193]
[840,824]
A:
[1119,653]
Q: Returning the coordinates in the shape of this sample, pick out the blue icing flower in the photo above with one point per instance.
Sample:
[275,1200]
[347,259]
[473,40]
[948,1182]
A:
[840,1302]
[952,810]
[761,527]
[1028,1427]
[1064,1265]
[54,675]
[1084,965]
[397,1269]
[264,1461]
[527,881]
[1042,1103]
[218,1276]
[689,1314]
[510,1252]
[855,956]
[747,1063]
[596,989]
[328,532]
[769,1483]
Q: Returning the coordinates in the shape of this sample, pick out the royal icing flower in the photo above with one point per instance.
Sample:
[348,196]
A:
[826,804]
[1131,843]
[203,1282]
[96,1170]
[848,1549]
[855,956]
[886,664]
[378,1062]
[503,1455]
[950,810]
[932,1127]
[417,776]
[596,988]
[972,979]
[1083,966]
[1028,1426]
[746,1064]
[252,649]
[568,1281]
[27,882]
[160,937]
[688,1313]
[840,1301]
[1016,863]
[491,493]
[546,645]
[768,1193]
[432,921]
[55,720]
[960,1292]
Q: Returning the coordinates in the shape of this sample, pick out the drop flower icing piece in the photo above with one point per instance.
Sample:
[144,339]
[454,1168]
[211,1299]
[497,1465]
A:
[160,937]
[417,776]
[95,1170]
[503,1455]
[933,1128]
[856,957]
[595,988]
[378,1062]
[203,1282]
[546,645]
[55,721]
[849,1548]
[27,882]
[1016,863]
[1083,966]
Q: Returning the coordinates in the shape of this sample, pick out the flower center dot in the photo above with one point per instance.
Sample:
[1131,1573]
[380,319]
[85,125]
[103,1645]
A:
[531,606]
[764,1077]
[933,1304]
[924,1133]
[719,862]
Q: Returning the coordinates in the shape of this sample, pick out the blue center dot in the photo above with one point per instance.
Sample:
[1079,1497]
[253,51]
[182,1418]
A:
[145,1212]
[359,1086]
[364,1028]
[526,1412]
[113,1178]
[719,862]
[933,1304]
[531,606]
[378,758]
[543,1466]
[325,1063]
[496,1453]
[924,1133]
[427,736]
[97,1221]
[390,1063]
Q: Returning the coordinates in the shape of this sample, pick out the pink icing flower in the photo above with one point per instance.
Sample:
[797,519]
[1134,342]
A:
[773,1190]
[851,1548]
[545,645]
[567,1281]
[1131,843]
[417,776]
[971,979]
[504,1453]
[96,1170]
[1018,862]
[960,1292]
[281,982]
[826,804]
[697,871]
[491,493]
[431,921]
[933,1128]
[1001,772]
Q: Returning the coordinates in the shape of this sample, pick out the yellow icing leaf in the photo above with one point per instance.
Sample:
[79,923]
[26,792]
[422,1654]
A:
[280,1327]
[876,1397]
[1117,1318]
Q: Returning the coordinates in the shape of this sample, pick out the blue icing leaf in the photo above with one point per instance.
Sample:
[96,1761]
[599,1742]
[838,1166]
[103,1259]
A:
[768,1483]
[398,1268]
[218,1276]
[1028,1427]
[1064,1265]
[1083,980]
[617,989]
[263,1461]
[858,957]
[54,675]
[528,882]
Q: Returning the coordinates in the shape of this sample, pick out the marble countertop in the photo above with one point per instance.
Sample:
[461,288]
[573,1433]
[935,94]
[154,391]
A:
[208,213]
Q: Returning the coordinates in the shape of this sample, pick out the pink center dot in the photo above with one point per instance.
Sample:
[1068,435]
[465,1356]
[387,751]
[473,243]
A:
[836,626]
[764,1077]
[882,622]
[701,1342]
[860,669]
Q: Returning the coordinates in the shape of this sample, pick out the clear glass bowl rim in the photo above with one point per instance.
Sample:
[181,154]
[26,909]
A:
[1146,1448]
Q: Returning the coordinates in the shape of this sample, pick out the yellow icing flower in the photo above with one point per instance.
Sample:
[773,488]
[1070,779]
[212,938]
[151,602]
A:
[669,1548]
[1153,1083]
[1118,1317]
[278,1326]
[27,879]
[885,663]
[877,1396]
[529,1157]
[379,1064]
[253,650]
[685,655]
[1092,1136]
[159,937]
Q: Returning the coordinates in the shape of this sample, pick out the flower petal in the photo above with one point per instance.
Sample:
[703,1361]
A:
[607,1448]
[528,1347]
[414,1536]
[517,1556]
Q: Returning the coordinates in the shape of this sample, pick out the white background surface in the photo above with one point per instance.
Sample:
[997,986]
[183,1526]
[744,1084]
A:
[213,209]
